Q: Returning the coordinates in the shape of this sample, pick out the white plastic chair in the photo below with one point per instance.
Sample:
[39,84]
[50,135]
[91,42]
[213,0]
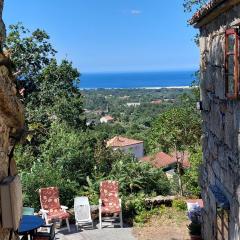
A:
[82,211]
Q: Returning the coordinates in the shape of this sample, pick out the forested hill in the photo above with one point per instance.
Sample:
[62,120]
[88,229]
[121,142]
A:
[133,110]
[96,99]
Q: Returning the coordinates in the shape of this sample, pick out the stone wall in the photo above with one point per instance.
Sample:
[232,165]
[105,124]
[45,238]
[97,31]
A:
[221,128]
[11,118]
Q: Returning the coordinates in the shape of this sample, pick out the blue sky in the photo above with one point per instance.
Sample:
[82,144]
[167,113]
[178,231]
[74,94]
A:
[112,35]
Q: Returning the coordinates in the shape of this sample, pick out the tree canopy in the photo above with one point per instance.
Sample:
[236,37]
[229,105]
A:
[176,129]
[190,5]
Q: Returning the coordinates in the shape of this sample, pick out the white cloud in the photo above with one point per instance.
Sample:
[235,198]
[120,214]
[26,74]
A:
[136,12]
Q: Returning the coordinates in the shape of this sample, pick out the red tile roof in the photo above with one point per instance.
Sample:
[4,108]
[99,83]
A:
[119,141]
[108,118]
[205,10]
[161,160]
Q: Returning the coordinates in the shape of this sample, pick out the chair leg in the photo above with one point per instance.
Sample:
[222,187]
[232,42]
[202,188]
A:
[46,220]
[121,220]
[68,226]
[100,218]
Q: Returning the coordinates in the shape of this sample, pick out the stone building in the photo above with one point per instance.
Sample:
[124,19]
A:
[11,119]
[219,23]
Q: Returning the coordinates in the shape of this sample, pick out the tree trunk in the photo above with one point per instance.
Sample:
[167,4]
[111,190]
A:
[179,164]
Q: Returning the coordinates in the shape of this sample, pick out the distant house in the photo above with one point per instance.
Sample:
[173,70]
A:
[127,145]
[166,161]
[159,160]
[158,101]
[169,99]
[106,119]
[133,104]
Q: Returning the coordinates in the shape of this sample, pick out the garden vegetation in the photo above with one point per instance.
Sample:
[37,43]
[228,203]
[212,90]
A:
[61,150]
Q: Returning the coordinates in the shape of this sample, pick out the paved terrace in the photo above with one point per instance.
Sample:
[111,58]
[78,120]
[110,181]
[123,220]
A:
[108,232]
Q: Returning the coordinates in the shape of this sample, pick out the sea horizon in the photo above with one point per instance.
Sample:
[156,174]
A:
[137,80]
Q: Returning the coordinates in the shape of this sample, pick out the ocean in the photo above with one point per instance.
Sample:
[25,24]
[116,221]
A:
[136,79]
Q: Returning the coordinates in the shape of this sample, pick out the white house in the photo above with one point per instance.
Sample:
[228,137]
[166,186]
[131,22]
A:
[127,145]
[133,104]
[106,119]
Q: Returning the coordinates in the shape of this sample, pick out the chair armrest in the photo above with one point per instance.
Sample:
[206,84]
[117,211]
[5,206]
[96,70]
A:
[64,208]
[43,211]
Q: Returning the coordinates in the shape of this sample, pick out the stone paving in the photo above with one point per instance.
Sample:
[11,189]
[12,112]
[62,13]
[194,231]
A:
[108,232]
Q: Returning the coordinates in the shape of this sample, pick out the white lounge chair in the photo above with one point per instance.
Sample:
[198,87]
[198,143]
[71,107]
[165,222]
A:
[82,211]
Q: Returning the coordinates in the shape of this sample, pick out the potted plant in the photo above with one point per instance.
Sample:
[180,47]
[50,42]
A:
[195,231]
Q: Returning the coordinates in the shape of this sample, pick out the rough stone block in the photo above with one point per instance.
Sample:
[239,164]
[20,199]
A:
[219,76]
[222,157]
[206,101]
[216,122]
[229,130]
[207,80]
[217,50]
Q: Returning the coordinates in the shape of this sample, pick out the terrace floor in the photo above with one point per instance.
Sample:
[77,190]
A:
[108,232]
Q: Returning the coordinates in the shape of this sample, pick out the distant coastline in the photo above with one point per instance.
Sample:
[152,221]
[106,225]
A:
[147,88]
[139,80]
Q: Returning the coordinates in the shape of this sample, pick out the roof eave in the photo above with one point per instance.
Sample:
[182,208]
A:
[213,13]
[140,142]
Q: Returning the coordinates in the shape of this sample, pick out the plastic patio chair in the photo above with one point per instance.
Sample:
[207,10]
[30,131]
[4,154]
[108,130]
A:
[82,211]
[51,208]
[109,202]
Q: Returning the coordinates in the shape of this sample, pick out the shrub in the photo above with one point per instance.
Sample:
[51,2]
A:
[179,204]
[136,177]
[142,217]
[191,175]
[44,175]
[145,215]
[134,203]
